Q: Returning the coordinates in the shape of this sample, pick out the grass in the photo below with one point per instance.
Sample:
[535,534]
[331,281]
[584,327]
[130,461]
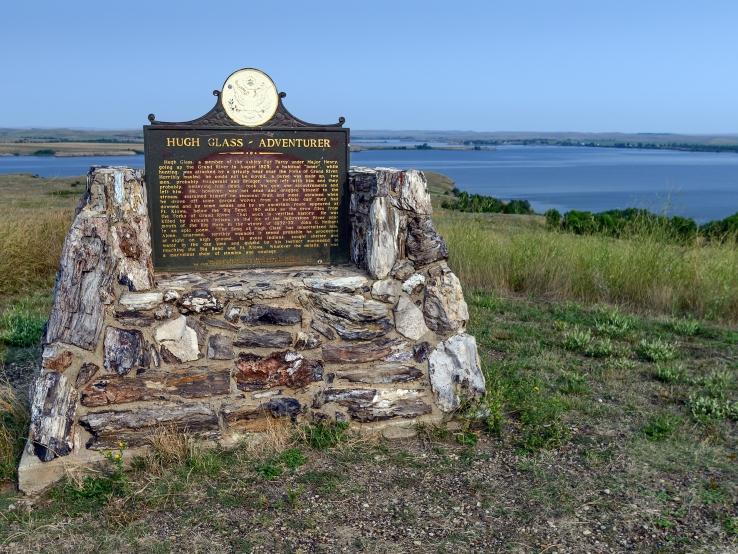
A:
[518,255]
[13,430]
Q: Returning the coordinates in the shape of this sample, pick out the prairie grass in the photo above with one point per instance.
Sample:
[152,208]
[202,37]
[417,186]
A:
[13,428]
[34,219]
[643,273]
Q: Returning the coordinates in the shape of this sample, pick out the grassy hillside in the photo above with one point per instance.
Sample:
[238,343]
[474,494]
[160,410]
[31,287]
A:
[609,423]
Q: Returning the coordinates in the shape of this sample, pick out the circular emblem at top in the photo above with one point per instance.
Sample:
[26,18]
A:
[249,97]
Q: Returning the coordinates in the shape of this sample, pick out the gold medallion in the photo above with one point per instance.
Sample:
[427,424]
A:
[249,97]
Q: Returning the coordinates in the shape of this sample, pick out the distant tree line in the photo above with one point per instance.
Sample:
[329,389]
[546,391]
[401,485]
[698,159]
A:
[479,203]
[686,146]
[633,221]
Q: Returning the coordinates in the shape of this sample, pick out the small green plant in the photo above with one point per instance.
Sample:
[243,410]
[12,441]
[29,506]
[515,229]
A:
[570,382]
[93,492]
[293,496]
[269,469]
[730,524]
[21,326]
[718,383]
[713,493]
[656,350]
[708,408]
[669,373]
[685,326]
[623,364]
[577,339]
[326,481]
[466,438]
[321,436]
[292,458]
[601,348]
[273,467]
[660,427]
[613,323]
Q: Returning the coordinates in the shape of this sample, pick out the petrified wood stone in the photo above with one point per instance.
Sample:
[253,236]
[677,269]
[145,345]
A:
[409,190]
[134,318]
[53,404]
[424,245]
[403,269]
[125,349]
[348,330]
[383,409]
[262,314]
[220,347]
[414,283]
[199,301]
[219,323]
[140,300]
[307,341]
[366,405]
[126,205]
[358,353]
[286,368]
[86,372]
[264,339]
[353,307]
[380,373]
[382,238]
[344,396]
[56,358]
[323,328]
[135,427]
[84,283]
[386,290]
[444,306]
[349,284]
[284,407]
[153,385]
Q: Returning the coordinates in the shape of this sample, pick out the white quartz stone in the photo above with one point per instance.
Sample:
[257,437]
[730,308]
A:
[409,319]
[455,372]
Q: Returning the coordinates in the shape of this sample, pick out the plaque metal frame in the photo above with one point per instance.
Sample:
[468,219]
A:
[217,120]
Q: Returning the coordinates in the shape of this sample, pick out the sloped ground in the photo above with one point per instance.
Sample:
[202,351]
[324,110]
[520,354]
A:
[603,432]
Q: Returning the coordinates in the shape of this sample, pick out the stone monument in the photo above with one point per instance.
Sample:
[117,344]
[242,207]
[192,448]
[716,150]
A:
[248,277]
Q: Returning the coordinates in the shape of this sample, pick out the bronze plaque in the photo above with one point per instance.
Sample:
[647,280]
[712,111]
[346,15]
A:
[227,196]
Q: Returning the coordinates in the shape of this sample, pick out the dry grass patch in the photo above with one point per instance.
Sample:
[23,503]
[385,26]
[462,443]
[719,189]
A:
[13,428]
[643,273]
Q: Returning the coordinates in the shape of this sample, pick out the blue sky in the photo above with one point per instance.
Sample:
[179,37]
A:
[652,66]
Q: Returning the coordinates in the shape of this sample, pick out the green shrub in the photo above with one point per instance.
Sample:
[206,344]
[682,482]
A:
[577,339]
[656,350]
[718,382]
[669,374]
[708,408]
[660,427]
[613,323]
[601,348]
[553,219]
[686,326]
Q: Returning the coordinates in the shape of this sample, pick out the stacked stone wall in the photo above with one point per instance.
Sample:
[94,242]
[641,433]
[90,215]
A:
[377,343]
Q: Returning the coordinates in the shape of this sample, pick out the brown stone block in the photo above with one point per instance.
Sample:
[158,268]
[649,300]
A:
[286,368]
[159,385]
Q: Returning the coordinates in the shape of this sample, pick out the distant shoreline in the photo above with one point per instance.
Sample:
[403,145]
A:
[60,151]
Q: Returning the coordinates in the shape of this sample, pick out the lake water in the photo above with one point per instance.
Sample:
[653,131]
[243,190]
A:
[700,185]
